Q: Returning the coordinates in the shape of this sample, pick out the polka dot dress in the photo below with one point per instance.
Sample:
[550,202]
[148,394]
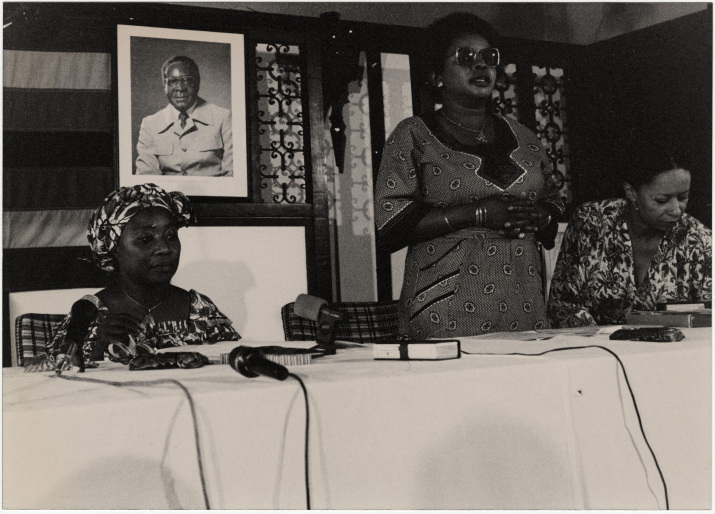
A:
[472,281]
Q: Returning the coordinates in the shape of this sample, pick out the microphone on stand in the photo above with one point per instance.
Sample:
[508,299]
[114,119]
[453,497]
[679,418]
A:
[316,309]
[84,311]
[250,363]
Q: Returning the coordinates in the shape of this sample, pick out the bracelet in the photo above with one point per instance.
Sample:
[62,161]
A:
[480,216]
[444,215]
[548,220]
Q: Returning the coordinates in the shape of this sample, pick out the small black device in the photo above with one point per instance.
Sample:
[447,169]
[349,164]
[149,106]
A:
[316,309]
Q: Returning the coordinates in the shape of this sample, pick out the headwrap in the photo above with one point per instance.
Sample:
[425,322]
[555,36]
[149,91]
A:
[108,221]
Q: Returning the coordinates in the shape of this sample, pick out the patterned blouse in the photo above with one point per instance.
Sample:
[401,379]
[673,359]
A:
[594,282]
[471,281]
[206,324]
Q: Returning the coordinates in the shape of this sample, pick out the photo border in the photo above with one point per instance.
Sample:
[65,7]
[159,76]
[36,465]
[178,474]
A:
[235,186]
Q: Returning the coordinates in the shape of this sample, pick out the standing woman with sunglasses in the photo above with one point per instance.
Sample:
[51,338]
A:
[469,193]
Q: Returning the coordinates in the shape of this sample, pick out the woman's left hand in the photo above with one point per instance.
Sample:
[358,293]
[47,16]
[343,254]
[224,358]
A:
[523,217]
[526,217]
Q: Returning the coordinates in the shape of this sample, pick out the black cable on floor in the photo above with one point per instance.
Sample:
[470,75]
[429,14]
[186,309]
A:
[191,406]
[307,439]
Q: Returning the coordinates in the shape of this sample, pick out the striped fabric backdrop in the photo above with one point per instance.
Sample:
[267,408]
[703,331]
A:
[58,145]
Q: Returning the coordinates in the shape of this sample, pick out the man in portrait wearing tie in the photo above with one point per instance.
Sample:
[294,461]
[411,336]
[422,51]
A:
[190,136]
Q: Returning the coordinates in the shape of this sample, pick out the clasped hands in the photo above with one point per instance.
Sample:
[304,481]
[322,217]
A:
[117,328]
[117,334]
[514,216]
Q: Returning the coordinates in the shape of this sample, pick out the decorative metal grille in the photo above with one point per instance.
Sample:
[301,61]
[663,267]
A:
[550,102]
[360,158]
[504,97]
[280,123]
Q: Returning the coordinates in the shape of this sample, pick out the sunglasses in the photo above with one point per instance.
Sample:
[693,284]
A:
[468,56]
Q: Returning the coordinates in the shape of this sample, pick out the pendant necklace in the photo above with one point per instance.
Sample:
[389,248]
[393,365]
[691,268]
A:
[479,133]
[149,314]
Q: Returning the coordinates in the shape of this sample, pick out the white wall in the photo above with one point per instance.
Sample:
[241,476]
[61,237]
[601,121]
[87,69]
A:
[397,94]
[248,272]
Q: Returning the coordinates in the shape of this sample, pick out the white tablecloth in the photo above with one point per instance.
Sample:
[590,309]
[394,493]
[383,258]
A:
[557,431]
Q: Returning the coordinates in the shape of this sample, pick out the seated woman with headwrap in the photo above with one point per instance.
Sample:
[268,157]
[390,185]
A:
[134,236]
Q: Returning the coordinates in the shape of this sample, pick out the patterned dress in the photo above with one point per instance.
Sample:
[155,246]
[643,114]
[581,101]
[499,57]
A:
[471,281]
[594,281]
[206,324]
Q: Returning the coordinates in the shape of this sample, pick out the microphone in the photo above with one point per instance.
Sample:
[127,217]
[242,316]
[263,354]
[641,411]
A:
[250,363]
[83,312]
[316,309]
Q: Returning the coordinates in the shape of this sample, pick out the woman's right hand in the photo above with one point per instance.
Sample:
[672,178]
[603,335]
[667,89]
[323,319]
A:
[116,328]
[511,216]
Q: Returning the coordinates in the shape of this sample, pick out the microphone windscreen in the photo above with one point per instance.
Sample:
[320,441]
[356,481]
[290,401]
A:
[88,298]
[308,307]
[83,311]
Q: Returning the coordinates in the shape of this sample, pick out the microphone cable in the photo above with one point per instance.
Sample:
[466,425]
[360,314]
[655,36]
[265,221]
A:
[192,408]
[630,391]
[307,438]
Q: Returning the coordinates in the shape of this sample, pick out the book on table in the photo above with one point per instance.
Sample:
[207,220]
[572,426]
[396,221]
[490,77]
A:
[430,349]
[672,317]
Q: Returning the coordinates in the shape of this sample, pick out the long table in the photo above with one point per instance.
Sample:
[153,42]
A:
[557,431]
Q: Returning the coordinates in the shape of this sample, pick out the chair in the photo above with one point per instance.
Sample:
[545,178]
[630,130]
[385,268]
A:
[47,301]
[364,322]
[33,332]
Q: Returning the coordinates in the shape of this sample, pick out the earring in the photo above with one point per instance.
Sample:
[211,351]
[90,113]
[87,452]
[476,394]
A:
[635,205]
[440,84]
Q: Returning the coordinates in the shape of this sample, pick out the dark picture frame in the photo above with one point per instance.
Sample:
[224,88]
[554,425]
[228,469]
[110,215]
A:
[220,57]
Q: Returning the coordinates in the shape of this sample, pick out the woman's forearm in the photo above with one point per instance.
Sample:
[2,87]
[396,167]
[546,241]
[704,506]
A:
[441,221]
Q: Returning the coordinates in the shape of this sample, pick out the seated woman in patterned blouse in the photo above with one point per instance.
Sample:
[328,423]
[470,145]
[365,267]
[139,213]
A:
[629,254]
[134,236]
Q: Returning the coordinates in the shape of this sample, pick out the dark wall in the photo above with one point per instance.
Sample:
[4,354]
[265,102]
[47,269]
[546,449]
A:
[659,80]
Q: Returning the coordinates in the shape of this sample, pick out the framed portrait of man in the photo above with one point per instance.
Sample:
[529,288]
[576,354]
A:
[182,110]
